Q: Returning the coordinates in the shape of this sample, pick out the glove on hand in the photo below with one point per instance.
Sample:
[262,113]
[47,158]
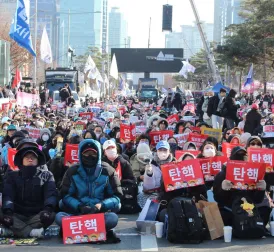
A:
[88,210]
[226,185]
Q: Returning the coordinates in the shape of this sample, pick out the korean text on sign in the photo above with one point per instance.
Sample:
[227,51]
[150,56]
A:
[244,175]
[262,155]
[181,175]
[71,154]
[157,136]
[198,139]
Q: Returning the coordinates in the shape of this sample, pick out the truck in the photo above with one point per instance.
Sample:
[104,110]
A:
[56,79]
[148,89]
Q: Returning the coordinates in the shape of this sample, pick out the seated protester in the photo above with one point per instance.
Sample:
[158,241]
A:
[214,141]
[11,129]
[236,131]
[143,138]
[244,138]
[98,130]
[188,124]
[91,173]
[254,142]
[187,130]
[225,195]
[189,192]
[29,196]
[162,124]
[152,122]
[115,133]
[46,142]
[226,134]
[234,139]
[173,143]
[179,128]
[189,146]
[89,134]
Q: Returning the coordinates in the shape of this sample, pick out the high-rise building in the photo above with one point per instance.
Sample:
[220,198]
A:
[189,39]
[117,35]
[226,12]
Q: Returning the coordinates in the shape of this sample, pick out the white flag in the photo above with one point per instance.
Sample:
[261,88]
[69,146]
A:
[114,68]
[183,71]
[99,76]
[45,49]
[90,65]
[187,68]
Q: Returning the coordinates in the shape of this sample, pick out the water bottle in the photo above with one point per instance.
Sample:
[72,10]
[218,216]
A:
[52,231]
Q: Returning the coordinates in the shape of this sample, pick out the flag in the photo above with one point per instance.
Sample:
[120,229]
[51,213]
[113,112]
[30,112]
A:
[114,68]
[45,48]
[121,84]
[187,68]
[249,78]
[19,30]
[90,65]
[17,78]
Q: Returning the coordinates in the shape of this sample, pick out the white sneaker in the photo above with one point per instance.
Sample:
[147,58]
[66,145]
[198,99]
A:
[5,232]
[37,233]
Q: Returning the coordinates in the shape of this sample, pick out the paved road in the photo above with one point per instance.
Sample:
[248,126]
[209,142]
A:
[132,241]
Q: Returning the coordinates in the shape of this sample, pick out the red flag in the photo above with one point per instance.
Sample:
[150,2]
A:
[17,79]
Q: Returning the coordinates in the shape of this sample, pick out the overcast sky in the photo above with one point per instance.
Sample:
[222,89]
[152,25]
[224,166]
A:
[138,12]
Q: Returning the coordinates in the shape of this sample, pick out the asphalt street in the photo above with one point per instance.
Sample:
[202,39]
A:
[133,241]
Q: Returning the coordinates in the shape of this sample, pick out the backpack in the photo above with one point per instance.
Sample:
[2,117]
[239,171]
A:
[184,222]
[247,222]
[223,109]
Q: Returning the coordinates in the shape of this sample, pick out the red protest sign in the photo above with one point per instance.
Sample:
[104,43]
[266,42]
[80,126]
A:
[122,109]
[244,175]
[119,171]
[189,107]
[212,166]
[181,139]
[198,139]
[71,154]
[227,148]
[6,106]
[181,175]
[80,125]
[196,129]
[127,132]
[268,128]
[86,115]
[33,132]
[84,228]
[157,136]
[262,155]
[11,154]
[179,153]
[173,118]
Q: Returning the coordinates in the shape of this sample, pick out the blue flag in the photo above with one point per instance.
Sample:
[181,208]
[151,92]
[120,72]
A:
[19,30]
[249,78]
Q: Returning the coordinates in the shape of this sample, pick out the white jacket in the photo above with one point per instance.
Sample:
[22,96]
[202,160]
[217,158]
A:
[154,181]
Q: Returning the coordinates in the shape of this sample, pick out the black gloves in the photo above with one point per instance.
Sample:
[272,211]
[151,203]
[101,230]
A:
[87,209]
[46,215]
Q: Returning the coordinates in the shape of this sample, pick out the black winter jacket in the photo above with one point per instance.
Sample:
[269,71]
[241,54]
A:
[253,121]
[213,106]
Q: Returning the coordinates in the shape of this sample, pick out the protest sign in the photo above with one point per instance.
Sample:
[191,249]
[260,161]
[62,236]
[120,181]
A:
[84,228]
[86,115]
[26,99]
[262,155]
[196,130]
[6,106]
[189,119]
[34,133]
[140,130]
[100,122]
[71,154]
[179,153]
[133,119]
[268,131]
[95,111]
[198,139]
[212,166]
[107,115]
[80,126]
[11,154]
[181,175]
[127,132]
[181,139]
[227,148]
[173,118]
[217,133]
[157,136]
[122,109]
[189,107]
[244,175]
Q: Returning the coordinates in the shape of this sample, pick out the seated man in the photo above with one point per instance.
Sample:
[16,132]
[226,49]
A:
[91,187]
[29,196]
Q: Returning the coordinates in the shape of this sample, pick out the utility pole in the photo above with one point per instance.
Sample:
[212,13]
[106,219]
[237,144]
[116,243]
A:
[265,81]
[148,46]
[35,42]
[68,34]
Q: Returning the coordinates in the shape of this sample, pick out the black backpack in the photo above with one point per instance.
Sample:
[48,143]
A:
[129,204]
[246,224]
[184,224]
[223,109]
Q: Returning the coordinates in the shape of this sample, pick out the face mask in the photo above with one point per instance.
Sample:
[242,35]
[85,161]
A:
[28,171]
[162,155]
[209,153]
[45,137]
[262,123]
[97,135]
[89,161]
[112,153]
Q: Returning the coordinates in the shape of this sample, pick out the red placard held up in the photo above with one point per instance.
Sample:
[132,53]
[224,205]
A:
[157,136]
[198,139]
[127,132]
[119,171]
[212,166]
[11,154]
[71,154]
[179,153]
[189,107]
[173,118]
[262,155]
[227,148]
[181,175]
[244,175]
[86,115]
[84,228]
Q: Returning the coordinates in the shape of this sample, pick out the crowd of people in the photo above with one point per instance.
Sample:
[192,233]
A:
[117,176]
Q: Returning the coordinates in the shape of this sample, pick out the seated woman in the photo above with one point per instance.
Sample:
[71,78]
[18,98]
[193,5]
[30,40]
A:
[29,196]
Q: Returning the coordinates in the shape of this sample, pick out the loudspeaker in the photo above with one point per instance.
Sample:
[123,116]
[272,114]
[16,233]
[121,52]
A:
[167,18]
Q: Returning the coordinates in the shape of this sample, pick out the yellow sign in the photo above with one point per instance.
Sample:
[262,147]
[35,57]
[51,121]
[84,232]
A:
[217,133]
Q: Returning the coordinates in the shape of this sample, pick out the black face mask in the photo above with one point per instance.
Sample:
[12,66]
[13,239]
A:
[89,161]
[28,171]
[173,146]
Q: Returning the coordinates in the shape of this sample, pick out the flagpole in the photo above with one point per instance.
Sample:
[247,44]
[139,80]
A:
[35,42]
[68,34]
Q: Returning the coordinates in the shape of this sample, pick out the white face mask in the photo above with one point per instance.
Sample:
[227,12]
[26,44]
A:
[45,137]
[162,155]
[97,135]
[111,153]
[209,153]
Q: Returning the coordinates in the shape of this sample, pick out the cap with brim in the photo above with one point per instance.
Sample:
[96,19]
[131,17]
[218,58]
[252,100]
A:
[163,144]
[108,143]
[89,149]
[22,152]
[11,127]
[27,143]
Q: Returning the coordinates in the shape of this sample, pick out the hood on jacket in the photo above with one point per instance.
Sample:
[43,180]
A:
[43,131]
[151,119]
[232,137]
[251,139]
[185,155]
[232,93]
[186,145]
[162,120]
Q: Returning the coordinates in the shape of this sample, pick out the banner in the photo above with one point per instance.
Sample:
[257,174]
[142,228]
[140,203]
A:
[84,228]
[262,155]
[196,130]
[173,118]
[244,175]
[179,153]
[189,119]
[189,107]
[71,154]
[140,130]
[26,99]
[212,166]
[127,132]
[217,133]
[198,139]
[34,133]
[11,154]
[227,148]
[157,136]
[182,175]
[181,139]
[86,115]
[268,131]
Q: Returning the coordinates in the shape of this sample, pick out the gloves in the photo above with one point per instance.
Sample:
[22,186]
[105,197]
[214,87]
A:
[226,185]
[149,170]
[7,218]
[88,209]
[261,185]
[45,216]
